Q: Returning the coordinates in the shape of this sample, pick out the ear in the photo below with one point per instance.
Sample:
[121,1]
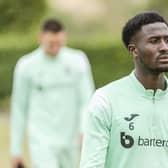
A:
[133,50]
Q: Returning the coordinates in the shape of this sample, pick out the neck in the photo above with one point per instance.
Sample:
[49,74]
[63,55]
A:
[151,80]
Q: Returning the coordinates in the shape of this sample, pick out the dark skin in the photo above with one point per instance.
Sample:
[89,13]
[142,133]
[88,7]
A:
[149,48]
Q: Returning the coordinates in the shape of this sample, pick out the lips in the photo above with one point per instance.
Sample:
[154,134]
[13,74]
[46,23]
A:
[163,58]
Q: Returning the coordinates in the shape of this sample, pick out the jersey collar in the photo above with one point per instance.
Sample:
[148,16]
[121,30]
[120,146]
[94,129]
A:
[49,58]
[149,93]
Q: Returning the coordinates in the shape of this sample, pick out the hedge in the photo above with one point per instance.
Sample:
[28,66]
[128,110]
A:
[20,15]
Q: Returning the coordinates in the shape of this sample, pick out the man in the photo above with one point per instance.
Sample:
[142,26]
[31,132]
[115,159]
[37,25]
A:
[51,88]
[127,123]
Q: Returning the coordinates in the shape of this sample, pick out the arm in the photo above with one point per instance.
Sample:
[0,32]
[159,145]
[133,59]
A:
[97,133]
[86,88]
[19,106]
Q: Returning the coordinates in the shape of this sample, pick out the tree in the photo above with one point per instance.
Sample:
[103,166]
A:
[160,6]
[20,14]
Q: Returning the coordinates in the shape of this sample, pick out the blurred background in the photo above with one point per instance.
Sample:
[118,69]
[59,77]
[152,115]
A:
[93,25]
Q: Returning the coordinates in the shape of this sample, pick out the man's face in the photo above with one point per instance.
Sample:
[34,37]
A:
[52,42]
[151,47]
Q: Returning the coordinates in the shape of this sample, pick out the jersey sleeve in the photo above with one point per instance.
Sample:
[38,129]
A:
[86,87]
[19,107]
[97,133]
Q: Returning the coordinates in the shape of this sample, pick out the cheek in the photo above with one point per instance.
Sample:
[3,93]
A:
[148,53]
[45,43]
[49,45]
[55,46]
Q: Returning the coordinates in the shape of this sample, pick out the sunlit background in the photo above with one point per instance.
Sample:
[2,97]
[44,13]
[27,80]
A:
[93,25]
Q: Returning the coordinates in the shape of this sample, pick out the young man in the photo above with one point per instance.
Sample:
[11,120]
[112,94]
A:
[51,88]
[128,119]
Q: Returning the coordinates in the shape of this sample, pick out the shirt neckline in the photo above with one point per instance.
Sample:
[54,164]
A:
[149,93]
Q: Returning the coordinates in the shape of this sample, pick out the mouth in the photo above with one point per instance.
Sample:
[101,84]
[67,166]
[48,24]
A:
[163,58]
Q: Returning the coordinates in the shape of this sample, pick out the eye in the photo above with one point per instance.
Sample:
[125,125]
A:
[166,39]
[154,40]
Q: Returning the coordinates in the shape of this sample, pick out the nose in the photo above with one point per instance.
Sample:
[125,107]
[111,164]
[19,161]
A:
[164,46]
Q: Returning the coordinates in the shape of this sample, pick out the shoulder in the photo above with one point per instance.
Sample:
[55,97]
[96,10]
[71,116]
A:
[99,103]
[76,58]
[101,100]
[99,109]
[27,58]
[74,52]
[26,61]
[115,88]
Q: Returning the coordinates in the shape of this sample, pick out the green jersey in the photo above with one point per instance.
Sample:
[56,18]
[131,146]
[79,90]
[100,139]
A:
[48,97]
[127,127]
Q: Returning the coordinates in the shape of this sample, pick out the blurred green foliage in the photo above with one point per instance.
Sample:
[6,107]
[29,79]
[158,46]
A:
[20,15]
[108,63]
[160,6]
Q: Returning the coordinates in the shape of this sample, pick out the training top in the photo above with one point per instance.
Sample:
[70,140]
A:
[127,127]
[49,94]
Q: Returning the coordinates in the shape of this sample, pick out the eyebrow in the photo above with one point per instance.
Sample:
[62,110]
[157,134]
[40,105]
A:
[157,36]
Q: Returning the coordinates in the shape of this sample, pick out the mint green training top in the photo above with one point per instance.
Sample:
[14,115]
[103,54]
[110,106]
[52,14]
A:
[49,96]
[127,127]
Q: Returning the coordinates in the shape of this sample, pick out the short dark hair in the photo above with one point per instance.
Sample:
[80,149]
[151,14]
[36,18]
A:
[52,25]
[135,24]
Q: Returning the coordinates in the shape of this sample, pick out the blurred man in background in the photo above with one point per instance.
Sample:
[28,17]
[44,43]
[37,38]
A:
[127,125]
[51,88]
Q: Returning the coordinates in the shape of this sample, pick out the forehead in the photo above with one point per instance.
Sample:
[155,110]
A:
[50,34]
[154,29]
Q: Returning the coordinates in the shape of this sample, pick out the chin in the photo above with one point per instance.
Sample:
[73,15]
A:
[161,69]
[52,54]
